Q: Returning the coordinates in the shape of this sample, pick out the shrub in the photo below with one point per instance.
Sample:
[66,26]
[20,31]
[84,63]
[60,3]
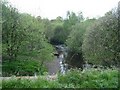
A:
[102,78]
[21,68]
[90,78]
[71,77]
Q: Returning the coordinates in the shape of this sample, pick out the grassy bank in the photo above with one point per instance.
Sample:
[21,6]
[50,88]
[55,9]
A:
[88,78]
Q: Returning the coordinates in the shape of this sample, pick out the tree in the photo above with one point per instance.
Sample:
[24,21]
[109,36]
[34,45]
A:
[59,35]
[36,43]
[100,45]
[71,20]
[24,39]
[12,33]
[74,43]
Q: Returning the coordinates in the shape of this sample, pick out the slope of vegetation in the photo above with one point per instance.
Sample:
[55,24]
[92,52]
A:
[101,78]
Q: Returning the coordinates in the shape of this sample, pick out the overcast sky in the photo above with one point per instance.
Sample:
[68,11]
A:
[53,8]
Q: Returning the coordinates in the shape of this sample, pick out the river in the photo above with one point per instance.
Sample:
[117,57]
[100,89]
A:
[58,64]
[62,53]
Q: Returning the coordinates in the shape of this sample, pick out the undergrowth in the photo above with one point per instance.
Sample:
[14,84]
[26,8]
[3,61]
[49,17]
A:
[74,78]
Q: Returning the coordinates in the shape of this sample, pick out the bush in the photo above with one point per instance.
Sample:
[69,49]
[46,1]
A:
[71,77]
[90,78]
[21,68]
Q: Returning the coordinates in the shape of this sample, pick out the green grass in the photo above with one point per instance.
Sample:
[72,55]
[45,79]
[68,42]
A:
[89,78]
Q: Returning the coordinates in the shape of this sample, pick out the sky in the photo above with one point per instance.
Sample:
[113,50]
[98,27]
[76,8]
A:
[53,8]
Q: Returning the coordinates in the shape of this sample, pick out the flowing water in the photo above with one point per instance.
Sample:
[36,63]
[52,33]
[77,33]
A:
[62,51]
[58,64]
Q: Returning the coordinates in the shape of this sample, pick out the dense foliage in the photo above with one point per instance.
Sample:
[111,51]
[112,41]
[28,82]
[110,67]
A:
[27,45]
[22,68]
[100,45]
[73,79]
[27,42]
[12,33]
[23,39]
[59,35]
[75,41]
[94,41]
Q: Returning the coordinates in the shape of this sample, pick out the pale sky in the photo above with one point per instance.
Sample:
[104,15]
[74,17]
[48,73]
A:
[52,8]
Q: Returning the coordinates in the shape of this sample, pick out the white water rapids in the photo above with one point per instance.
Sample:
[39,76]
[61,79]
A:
[61,58]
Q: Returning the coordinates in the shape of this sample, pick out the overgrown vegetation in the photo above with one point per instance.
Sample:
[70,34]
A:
[27,43]
[75,41]
[24,42]
[22,68]
[102,78]
[100,45]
